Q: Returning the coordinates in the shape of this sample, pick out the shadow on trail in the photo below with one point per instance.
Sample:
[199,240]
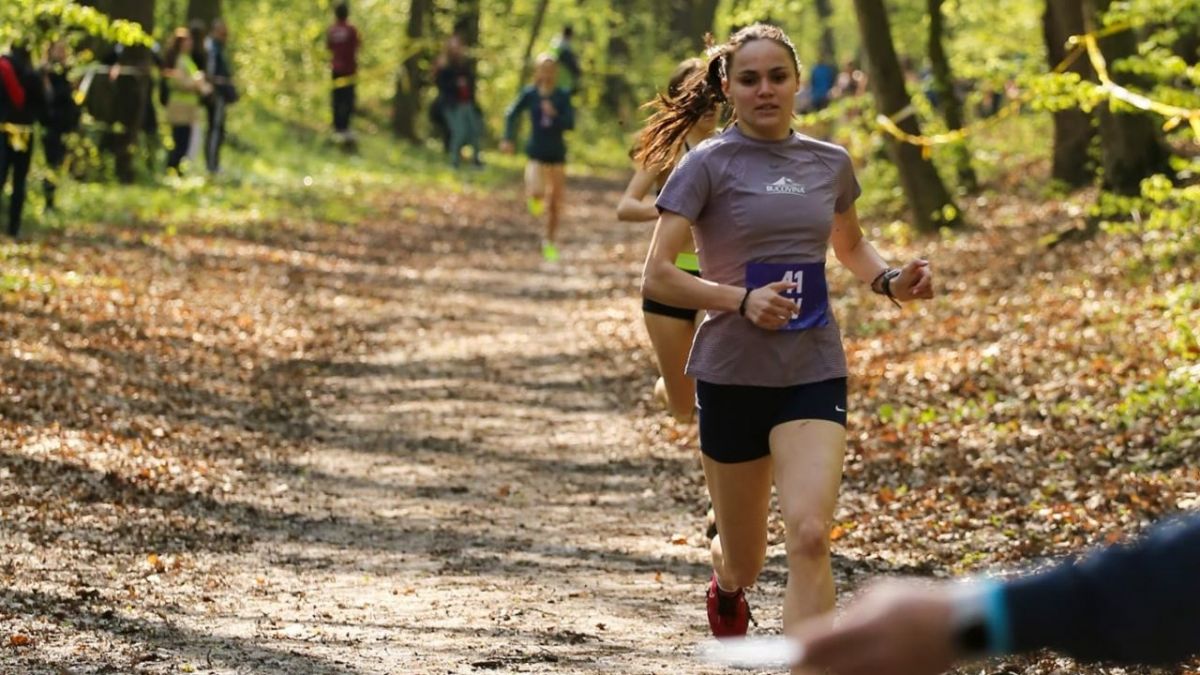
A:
[178,644]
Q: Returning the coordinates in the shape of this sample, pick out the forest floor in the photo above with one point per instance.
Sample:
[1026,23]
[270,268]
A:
[408,445]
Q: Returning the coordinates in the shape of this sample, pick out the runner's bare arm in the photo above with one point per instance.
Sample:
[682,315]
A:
[633,207]
[666,283]
[861,258]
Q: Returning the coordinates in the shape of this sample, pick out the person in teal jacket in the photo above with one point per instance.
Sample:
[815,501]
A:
[551,114]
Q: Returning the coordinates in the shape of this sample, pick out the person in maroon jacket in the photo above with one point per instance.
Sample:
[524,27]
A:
[21,104]
[343,41]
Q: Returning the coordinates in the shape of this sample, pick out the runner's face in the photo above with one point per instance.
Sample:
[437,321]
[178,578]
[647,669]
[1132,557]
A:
[708,121]
[762,84]
[547,73]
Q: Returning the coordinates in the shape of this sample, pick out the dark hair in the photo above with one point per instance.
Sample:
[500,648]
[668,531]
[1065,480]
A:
[659,156]
[342,11]
[175,47]
[698,92]
[568,31]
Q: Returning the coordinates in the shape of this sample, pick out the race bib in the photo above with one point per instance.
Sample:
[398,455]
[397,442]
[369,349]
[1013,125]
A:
[811,294]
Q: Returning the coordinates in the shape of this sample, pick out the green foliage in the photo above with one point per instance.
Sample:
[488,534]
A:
[37,23]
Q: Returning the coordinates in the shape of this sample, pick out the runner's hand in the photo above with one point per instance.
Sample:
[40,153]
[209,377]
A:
[915,281]
[896,628]
[506,147]
[766,308]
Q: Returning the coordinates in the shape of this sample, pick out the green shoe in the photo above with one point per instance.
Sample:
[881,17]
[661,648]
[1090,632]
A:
[550,252]
[536,207]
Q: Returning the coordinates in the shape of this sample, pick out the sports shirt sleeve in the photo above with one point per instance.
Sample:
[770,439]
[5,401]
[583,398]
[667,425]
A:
[1129,604]
[510,116]
[847,184]
[687,189]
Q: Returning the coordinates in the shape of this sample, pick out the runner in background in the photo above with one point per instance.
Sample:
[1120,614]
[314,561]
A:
[670,328]
[551,115]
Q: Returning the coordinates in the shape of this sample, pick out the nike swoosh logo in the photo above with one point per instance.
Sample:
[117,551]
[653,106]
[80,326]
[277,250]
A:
[839,408]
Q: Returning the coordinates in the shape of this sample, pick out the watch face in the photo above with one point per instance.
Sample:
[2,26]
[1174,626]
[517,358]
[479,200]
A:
[972,638]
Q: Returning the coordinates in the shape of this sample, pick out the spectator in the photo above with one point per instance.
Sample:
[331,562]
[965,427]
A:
[820,82]
[343,41]
[218,73]
[1131,605]
[564,54]
[21,104]
[185,88]
[456,96]
[62,117]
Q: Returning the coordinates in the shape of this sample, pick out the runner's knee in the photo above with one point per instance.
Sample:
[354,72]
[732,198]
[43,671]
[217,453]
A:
[807,537]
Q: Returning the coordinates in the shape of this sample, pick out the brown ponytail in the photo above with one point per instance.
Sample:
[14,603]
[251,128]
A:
[675,113]
[688,98]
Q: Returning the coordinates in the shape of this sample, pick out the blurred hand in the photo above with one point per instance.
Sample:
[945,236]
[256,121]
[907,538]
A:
[506,147]
[915,281]
[766,308]
[897,628]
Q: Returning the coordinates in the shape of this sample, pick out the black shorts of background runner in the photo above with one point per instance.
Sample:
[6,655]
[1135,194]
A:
[654,307]
[736,420]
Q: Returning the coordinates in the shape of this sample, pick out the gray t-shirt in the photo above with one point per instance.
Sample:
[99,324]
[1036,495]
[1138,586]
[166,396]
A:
[753,202]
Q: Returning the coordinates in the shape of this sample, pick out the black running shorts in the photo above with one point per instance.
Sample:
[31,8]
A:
[654,307]
[736,420]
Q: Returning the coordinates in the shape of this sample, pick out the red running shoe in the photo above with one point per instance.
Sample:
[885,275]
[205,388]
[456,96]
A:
[728,613]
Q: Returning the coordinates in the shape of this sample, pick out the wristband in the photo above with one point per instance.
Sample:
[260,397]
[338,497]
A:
[980,620]
[882,284]
[742,305]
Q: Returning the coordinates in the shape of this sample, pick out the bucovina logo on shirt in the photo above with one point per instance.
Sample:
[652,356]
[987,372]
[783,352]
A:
[785,186]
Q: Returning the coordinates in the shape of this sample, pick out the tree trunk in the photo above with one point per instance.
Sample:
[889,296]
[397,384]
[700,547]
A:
[825,16]
[1187,47]
[122,103]
[931,204]
[203,11]
[947,96]
[617,97]
[1132,142]
[689,21]
[406,106]
[1073,128]
[466,21]
[539,16]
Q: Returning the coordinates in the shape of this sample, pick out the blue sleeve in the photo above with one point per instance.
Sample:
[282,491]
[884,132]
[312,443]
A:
[510,116]
[1130,604]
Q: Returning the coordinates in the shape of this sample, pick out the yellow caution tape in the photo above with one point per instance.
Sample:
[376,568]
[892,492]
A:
[19,135]
[1080,44]
[1175,115]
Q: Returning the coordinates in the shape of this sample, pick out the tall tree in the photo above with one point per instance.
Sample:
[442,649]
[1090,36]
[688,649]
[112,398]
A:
[122,103]
[539,17]
[203,11]
[617,96]
[825,16]
[931,204]
[406,105]
[466,21]
[689,21]
[1132,141]
[947,95]
[1073,128]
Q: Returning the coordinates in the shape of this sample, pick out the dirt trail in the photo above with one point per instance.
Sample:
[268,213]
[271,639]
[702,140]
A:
[410,446]
[443,459]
